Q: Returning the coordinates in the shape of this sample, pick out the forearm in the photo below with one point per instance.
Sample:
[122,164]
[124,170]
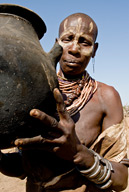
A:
[103,173]
[119,176]
[11,165]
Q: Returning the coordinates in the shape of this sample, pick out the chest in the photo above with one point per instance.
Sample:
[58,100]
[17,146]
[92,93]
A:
[89,122]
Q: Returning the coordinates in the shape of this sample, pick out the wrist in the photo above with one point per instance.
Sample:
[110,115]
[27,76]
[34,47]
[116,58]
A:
[83,159]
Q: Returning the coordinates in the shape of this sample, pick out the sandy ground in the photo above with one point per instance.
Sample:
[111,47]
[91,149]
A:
[9,184]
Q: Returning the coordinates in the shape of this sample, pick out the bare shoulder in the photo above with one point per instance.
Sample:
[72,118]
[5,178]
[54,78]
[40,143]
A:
[111,104]
[107,92]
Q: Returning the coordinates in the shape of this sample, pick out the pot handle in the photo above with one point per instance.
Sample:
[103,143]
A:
[55,54]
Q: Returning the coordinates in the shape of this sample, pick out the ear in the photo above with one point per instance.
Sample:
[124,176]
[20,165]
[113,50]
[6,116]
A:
[95,49]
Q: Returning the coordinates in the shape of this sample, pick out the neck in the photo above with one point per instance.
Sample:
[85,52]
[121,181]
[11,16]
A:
[76,92]
[70,77]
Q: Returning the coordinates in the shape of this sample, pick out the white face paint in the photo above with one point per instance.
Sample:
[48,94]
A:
[91,27]
[78,32]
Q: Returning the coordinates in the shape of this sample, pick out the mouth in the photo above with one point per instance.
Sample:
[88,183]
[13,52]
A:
[72,62]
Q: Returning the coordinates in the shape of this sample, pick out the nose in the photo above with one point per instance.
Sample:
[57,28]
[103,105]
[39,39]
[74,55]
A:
[74,49]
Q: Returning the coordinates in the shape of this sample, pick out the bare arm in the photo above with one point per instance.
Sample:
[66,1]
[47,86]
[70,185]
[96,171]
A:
[111,105]
[113,110]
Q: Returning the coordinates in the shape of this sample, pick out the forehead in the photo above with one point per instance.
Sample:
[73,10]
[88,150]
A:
[78,25]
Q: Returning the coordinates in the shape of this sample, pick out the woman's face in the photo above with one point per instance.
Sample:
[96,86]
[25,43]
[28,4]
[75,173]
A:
[77,40]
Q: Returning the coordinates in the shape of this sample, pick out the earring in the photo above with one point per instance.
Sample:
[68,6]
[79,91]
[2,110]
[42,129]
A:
[93,63]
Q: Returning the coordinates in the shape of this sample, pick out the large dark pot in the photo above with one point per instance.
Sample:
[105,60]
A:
[27,73]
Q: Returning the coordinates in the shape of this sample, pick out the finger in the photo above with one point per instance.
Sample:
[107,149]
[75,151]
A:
[44,118]
[35,143]
[29,141]
[57,141]
[62,111]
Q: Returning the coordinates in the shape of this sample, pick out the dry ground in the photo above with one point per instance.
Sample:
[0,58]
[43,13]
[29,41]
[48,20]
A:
[9,184]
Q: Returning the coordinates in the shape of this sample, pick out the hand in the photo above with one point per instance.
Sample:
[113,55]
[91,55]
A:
[65,146]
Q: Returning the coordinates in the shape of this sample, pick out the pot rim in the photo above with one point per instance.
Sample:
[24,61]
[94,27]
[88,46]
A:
[36,21]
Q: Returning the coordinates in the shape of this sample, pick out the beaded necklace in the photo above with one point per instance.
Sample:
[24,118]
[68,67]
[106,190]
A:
[77,91]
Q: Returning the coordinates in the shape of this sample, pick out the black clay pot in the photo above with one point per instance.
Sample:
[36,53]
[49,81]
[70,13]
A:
[27,73]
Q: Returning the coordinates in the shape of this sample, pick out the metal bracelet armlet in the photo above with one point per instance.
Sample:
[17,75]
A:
[98,174]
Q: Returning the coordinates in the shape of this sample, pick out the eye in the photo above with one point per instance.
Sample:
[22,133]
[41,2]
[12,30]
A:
[84,42]
[66,39]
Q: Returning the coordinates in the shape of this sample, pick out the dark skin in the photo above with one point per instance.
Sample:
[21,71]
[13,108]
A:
[77,37]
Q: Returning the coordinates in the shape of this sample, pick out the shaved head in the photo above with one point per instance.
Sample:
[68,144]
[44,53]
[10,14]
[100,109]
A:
[84,21]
